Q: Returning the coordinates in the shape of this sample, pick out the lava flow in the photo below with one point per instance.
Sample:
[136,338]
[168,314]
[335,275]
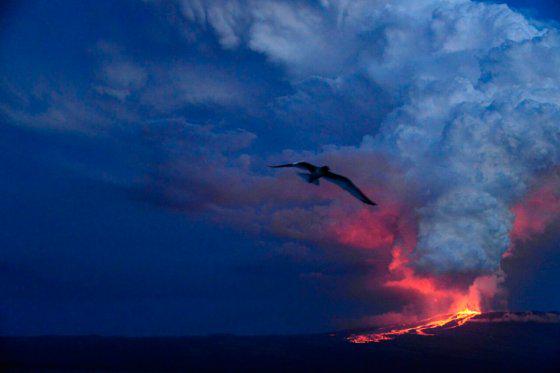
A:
[424,328]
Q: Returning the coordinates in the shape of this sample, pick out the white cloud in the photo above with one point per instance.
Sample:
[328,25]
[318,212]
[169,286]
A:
[122,78]
[225,17]
[179,85]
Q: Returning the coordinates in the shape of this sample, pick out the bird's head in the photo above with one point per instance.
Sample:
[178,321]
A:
[324,168]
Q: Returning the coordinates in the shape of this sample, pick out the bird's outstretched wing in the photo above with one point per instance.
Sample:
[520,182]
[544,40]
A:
[347,184]
[303,165]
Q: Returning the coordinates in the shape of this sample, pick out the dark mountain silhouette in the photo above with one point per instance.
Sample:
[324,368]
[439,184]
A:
[524,341]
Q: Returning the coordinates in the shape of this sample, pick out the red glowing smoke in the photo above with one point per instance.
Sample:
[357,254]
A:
[536,211]
[393,230]
[430,294]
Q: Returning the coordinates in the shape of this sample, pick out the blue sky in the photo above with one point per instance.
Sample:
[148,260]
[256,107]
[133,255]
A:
[135,136]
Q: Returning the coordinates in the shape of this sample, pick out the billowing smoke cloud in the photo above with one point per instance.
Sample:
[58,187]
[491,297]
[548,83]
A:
[475,96]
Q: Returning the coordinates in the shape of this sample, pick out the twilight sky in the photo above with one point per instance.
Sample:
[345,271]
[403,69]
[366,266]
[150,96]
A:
[135,136]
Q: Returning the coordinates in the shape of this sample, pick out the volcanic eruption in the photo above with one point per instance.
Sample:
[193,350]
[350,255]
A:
[443,303]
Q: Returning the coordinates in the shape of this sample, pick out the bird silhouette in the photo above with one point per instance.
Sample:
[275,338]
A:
[315,173]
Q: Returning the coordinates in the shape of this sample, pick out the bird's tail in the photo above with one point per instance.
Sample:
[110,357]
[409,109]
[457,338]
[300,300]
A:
[309,178]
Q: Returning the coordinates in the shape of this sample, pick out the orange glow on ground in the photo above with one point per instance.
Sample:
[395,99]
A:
[453,306]
[436,301]
[425,328]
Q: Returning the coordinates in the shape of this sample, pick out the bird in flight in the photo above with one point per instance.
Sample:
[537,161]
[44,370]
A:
[316,173]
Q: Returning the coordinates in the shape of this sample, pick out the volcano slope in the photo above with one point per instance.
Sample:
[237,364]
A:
[515,341]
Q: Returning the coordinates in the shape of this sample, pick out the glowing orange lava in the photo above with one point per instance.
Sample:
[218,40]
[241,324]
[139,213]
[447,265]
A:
[433,301]
[424,328]
[454,306]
